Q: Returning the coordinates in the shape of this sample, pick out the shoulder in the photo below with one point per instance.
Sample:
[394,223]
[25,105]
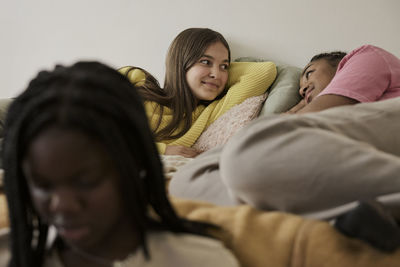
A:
[366,49]
[365,60]
[369,53]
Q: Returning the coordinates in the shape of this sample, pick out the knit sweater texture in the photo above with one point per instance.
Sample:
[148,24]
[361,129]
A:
[246,79]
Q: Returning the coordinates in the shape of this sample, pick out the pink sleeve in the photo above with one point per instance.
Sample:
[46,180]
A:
[362,75]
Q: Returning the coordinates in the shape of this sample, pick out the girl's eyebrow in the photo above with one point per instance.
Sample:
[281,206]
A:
[211,57]
[306,68]
[35,176]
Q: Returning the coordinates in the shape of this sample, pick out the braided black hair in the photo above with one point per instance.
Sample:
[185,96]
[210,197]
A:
[97,100]
[333,58]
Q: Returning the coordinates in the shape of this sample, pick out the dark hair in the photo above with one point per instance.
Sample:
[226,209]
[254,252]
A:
[333,58]
[98,101]
[185,50]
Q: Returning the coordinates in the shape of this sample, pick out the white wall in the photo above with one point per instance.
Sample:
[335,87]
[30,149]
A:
[37,34]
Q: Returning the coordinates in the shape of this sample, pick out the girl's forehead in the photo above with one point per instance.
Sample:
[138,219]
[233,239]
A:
[217,50]
[319,63]
[60,153]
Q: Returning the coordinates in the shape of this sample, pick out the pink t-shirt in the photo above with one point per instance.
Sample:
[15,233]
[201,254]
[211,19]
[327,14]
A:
[367,74]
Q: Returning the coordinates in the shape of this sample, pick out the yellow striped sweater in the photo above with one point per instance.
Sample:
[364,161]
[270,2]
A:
[246,79]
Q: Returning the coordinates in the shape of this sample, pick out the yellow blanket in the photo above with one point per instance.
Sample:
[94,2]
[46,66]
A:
[262,239]
[276,239]
[3,212]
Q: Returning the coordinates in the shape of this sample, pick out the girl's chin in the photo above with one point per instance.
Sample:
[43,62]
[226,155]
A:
[206,98]
[211,96]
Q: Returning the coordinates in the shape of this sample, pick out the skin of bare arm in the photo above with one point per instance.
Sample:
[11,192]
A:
[186,152]
[324,102]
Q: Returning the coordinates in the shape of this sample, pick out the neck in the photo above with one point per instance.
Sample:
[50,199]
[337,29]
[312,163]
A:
[115,247]
[77,257]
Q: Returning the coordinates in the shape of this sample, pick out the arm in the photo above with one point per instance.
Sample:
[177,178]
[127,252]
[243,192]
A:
[297,107]
[246,79]
[135,76]
[324,102]
[186,152]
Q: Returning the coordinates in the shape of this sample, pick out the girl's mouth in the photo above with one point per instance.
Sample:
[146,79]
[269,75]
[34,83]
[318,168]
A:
[73,233]
[308,97]
[211,84]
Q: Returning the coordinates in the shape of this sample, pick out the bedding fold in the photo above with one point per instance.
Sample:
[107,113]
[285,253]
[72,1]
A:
[277,239]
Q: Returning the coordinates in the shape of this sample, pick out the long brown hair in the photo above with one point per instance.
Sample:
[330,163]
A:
[185,50]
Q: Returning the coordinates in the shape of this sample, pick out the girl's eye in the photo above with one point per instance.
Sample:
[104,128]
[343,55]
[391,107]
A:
[205,62]
[87,183]
[224,66]
[308,73]
[40,189]
[39,184]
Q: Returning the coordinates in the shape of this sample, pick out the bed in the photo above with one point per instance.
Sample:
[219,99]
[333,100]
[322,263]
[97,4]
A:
[262,238]
[259,238]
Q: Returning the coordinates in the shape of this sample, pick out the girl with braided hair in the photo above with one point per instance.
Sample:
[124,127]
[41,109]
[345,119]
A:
[367,74]
[84,180]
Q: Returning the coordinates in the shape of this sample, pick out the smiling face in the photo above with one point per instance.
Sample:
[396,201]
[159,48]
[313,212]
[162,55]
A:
[315,77]
[208,76]
[73,185]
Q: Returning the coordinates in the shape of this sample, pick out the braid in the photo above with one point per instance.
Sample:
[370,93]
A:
[333,58]
[20,210]
[103,104]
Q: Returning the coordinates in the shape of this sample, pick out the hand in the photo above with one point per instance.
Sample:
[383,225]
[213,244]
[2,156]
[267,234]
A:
[297,107]
[186,152]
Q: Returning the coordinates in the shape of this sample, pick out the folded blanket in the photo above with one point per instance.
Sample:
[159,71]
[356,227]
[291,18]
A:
[260,238]
[171,163]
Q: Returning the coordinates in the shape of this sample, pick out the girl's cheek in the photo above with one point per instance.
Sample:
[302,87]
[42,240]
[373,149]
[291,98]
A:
[40,199]
[226,79]
[39,194]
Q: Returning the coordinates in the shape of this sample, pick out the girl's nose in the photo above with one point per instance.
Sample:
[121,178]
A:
[64,200]
[302,90]
[214,72]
